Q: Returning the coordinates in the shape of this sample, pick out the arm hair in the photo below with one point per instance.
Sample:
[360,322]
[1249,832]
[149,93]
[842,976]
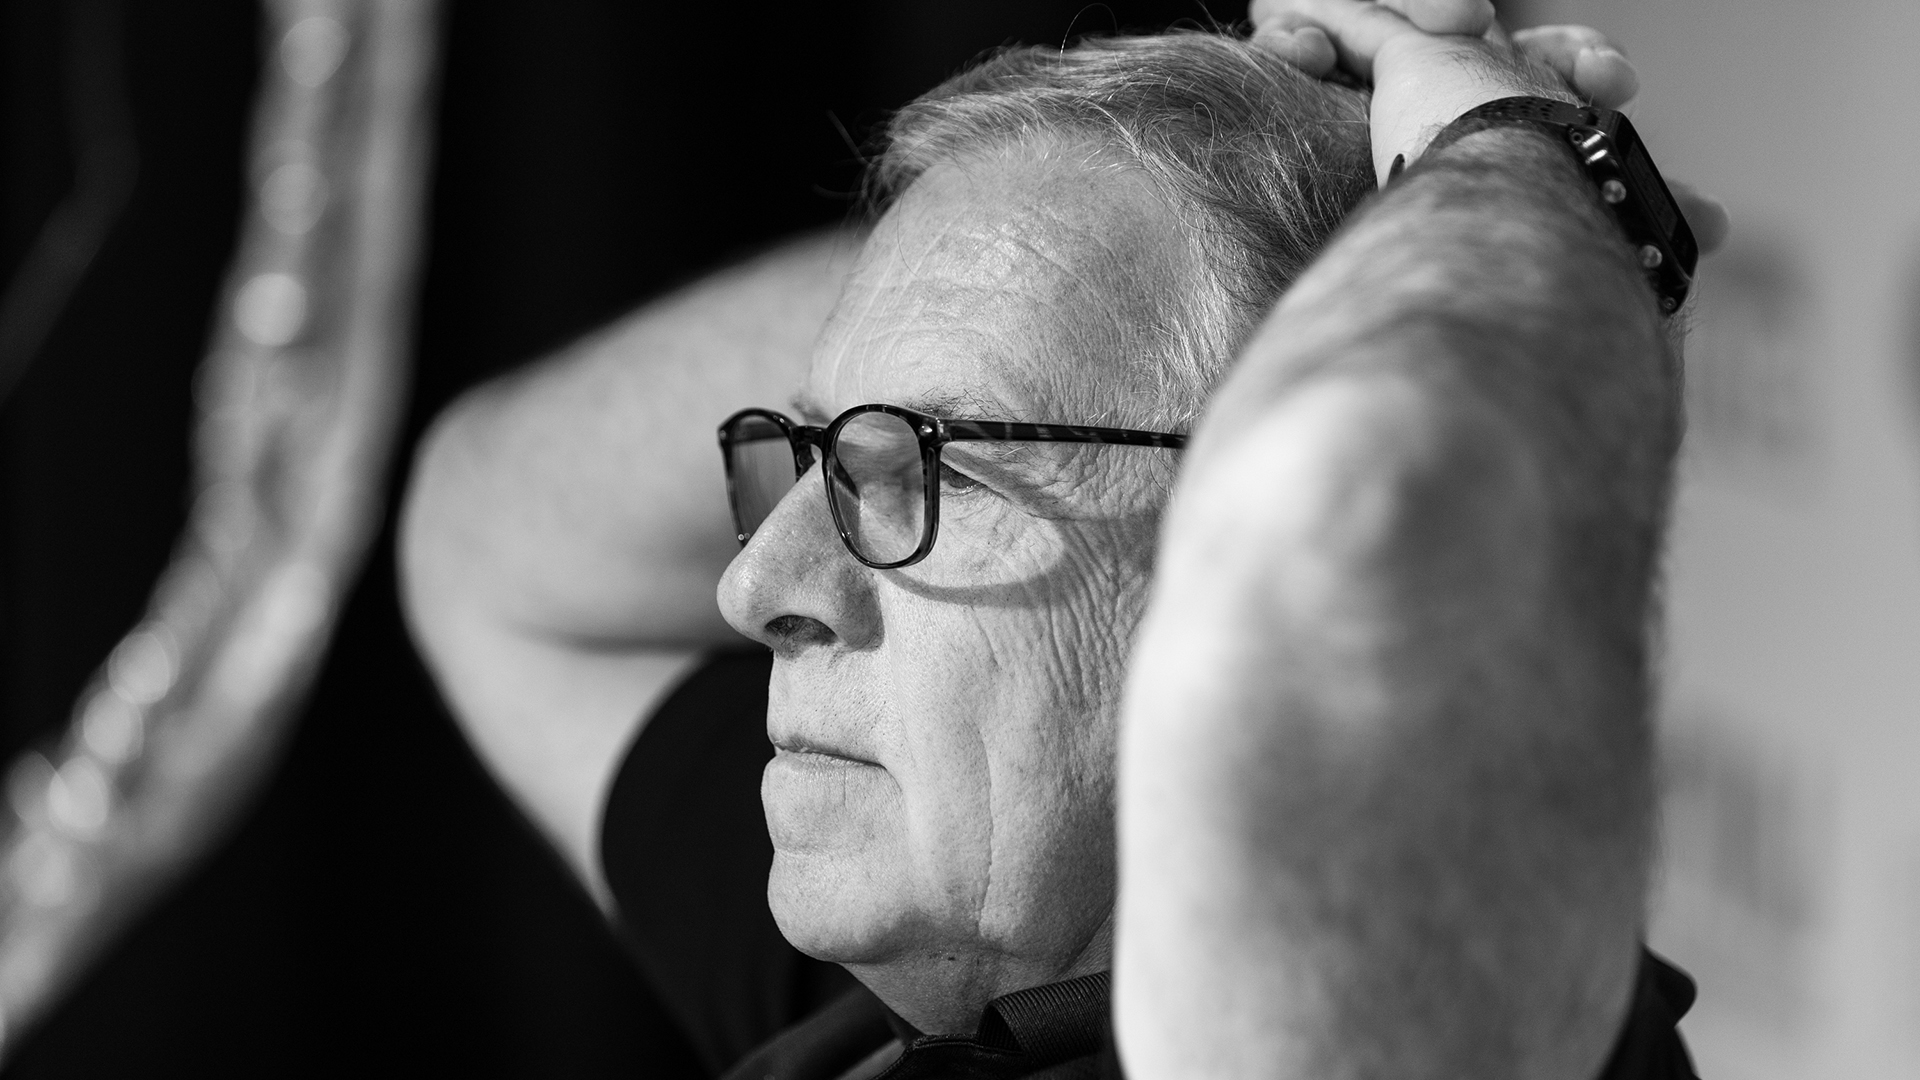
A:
[1385,771]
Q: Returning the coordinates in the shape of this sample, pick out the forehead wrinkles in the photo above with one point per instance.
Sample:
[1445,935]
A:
[1044,272]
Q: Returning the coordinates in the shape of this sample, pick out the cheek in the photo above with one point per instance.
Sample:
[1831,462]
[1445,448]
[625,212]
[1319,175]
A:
[1029,656]
[939,668]
[1094,601]
[1006,697]
[1016,611]
[993,549]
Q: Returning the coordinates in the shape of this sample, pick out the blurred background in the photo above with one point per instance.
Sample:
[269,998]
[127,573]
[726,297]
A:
[380,905]
[1791,885]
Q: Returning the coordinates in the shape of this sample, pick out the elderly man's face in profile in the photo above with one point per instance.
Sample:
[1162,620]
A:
[942,790]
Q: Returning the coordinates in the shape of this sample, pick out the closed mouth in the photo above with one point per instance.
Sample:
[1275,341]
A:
[819,753]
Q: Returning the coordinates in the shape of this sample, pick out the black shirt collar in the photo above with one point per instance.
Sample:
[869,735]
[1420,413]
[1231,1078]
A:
[1020,1033]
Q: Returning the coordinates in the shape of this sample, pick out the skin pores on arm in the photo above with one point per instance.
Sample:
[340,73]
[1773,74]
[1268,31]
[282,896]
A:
[1384,789]
[566,525]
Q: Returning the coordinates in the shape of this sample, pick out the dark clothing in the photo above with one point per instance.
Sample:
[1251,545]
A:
[686,853]
[685,849]
[1650,1047]
[1059,1031]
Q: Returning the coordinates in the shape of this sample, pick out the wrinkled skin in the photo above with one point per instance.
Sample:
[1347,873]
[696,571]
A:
[941,800]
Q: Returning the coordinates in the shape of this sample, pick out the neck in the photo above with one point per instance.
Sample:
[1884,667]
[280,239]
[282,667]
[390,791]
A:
[946,992]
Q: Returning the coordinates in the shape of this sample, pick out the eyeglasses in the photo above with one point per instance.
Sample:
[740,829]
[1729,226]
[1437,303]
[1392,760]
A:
[881,465]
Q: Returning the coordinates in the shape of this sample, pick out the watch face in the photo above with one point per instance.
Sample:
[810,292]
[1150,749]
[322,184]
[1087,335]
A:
[1649,216]
[1609,149]
[1658,202]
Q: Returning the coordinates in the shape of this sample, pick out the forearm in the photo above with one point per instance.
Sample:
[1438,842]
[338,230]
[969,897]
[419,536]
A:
[583,497]
[1498,245]
[566,526]
[1385,760]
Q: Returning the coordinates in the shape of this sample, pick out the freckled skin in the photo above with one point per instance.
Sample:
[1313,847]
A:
[954,842]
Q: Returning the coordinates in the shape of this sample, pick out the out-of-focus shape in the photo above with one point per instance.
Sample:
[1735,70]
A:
[106,164]
[293,197]
[1749,360]
[1910,333]
[1745,827]
[300,395]
[271,309]
[311,50]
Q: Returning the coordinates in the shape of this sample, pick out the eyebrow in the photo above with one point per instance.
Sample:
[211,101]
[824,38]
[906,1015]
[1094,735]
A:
[947,404]
[961,403]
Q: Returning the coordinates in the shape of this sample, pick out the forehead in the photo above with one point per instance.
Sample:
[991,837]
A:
[1029,283]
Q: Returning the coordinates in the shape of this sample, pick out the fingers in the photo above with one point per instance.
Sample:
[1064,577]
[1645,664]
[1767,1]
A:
[1270,15]
[1567,39]
[1706,215]
[1355,28]
[1604,77]
[1582,56]
[1307,48]
[1470,17]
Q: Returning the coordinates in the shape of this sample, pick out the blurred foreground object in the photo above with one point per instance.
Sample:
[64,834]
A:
[299,395]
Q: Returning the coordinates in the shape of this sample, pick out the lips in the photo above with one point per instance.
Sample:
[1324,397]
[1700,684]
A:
[818,802]
[813,721]
[806,748]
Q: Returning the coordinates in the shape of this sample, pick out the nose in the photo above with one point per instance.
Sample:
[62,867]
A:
[795,586]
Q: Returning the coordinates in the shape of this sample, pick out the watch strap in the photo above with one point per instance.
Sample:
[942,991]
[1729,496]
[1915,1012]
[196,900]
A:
[1609,150]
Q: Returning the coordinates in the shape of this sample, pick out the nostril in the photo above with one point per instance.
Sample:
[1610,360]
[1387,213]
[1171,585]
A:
[789,631]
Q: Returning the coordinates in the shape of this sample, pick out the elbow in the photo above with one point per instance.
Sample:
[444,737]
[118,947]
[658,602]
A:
[437,536]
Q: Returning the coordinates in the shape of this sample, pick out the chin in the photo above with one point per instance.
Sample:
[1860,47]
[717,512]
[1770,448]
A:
[833,912]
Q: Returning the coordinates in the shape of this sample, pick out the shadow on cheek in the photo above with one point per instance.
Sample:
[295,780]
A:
[1069,558]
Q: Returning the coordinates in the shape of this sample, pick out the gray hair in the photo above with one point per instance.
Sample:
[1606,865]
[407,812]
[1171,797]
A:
[1261,161]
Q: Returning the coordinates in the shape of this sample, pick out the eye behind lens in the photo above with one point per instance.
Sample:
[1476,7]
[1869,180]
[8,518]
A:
[761,472]
[879,486]
[955,482]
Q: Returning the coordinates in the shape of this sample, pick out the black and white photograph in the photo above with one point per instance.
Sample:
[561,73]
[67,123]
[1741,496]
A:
[1012,540]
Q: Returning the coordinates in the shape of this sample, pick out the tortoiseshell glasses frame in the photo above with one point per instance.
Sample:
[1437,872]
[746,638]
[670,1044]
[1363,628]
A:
[871,456]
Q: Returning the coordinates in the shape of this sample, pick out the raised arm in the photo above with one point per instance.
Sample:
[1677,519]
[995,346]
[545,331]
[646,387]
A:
[1385,779]
[566,525]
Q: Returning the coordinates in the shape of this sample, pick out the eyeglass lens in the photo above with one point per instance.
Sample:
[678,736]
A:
[875,481]
[878,486]
[762,470]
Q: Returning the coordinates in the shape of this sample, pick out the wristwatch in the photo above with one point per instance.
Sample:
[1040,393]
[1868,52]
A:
[1608,148]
